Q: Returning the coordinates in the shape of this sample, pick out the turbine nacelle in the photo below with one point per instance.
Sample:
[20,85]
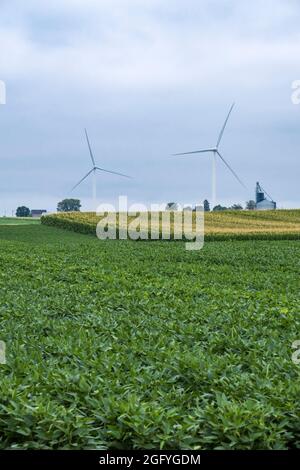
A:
[215,152]
[96,168]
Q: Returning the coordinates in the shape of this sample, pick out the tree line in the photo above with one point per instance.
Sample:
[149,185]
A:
[250,205]
[74,205]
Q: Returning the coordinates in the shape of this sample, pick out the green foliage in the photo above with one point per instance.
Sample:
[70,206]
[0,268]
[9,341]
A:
[206,206]
[123,345]
[220,208]
[250,205]
[69,205]
[172,206]
[23,211]
[236,207]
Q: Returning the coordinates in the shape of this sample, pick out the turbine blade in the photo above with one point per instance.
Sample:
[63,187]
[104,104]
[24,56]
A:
[191,153]
[82,179]
[224,125]
[232,171]
[90,149]
[113,172]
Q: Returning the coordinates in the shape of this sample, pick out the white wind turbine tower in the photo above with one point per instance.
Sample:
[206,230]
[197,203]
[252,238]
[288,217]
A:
[94,169]
[215,153]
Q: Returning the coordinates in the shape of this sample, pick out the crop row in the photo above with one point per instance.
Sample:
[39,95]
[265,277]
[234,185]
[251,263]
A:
[119,345]
[231,225]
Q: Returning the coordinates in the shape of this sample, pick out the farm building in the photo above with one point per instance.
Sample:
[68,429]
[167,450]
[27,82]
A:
[263,200]
[37,212]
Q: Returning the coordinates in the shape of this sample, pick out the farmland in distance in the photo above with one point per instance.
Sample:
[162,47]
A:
[233,225]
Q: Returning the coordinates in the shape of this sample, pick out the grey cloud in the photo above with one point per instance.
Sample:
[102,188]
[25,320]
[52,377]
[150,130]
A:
[147,78]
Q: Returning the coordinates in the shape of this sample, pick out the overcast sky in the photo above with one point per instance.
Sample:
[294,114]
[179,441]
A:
[148,78]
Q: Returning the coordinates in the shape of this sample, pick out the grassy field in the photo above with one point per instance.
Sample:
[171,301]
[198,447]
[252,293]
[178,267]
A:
[19,220]
[117,344]
[234,225]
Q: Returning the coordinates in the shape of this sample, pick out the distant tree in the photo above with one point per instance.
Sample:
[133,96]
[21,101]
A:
[206,206]
[69,205]
[220,208]
[236,207]
[172,206]
[23,211]
[250,205]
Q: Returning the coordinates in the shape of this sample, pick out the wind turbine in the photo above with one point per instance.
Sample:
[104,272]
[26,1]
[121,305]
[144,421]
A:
[93,171]
[215,153]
